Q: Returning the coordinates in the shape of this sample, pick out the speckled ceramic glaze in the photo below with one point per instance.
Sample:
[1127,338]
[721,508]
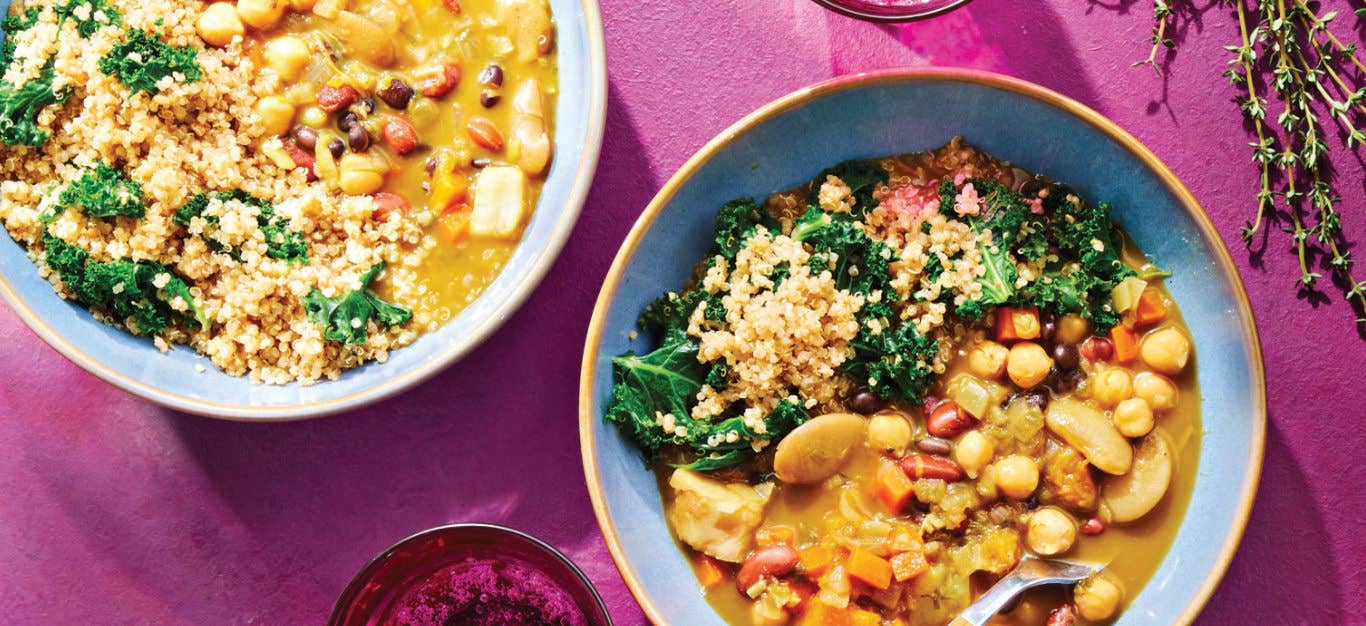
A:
[791,140]
[133,364]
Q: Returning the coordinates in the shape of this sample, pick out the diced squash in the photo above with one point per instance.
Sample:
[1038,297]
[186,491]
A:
[716,518]
[869,568]
[1125,342]
[908,565]
[774,535]
[892,487]
[453,226]
[1005,326]
[710,572]
[499,202]
[816,560]
[862,617]
[449,187]
[907,539]
[1152,308]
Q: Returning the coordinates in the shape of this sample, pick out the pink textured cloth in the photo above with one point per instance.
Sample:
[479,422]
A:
[114,511]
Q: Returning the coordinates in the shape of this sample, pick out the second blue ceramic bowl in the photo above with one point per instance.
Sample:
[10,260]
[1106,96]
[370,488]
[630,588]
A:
[868,115]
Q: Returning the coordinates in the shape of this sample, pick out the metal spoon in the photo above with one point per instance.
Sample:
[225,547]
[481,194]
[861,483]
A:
[1031,572]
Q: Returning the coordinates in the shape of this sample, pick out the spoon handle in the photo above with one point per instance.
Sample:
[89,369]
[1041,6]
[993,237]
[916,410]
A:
[995,599]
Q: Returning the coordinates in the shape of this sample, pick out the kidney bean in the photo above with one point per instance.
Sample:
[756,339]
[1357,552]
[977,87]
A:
[866,402]
[1092,527]
[774,561]
[439,81]
[934,445]
[302,159]
[1064,615]
[333,99]
[928,405]
[387,203]
[919,466]
[451,5]
[484,133]
[1097,349]
[948,420]
[396,93]
[399,134]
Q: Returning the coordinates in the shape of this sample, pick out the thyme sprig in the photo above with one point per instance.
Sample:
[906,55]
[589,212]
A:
[1286,48]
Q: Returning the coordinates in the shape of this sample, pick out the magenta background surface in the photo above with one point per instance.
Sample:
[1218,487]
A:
[116,511]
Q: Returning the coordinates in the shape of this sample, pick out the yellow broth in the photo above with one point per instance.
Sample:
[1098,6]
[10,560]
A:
[456,265]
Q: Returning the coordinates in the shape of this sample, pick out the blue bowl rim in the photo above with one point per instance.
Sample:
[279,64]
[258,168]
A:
[589,420]
[384,387]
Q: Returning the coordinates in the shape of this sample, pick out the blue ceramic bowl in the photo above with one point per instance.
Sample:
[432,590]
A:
[133,364]
[790,140]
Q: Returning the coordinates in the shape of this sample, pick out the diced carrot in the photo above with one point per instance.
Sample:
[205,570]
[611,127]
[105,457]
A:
[863,617]
[869,568]
[892,487]
[773,535]
[453,226]
[1151,307]
[816,560]
[1126,343]
[907,539]
[710,571]
[1005,325]
[818,613]
[908,565]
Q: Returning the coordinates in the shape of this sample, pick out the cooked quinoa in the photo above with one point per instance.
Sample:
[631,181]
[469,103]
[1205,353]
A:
[185,138]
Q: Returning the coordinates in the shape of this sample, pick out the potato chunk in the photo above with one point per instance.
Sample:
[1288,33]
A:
[716,518]
[499,202]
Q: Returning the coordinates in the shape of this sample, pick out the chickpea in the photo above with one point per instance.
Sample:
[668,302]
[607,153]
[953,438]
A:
[1133,417]
[973,452]
[1017,476]
[313,116]
[1028,364]
[1072,329]
[1097,598]
[359,174]
[219,24]
[1112,385]
[288,56]
[1156,389]
[1051,531]
[261,14]
[889,432]
[988,359]
[1165,350]
[276,114]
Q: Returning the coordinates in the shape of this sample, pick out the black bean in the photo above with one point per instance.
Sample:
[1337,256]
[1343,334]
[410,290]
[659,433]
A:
[1048,329]
[934,445]
[306,137]
[1070,381]
[369,104]
[492,75]
[347,120]
[429,165]
[1065,356]
[358,139]
[489,99]
[481,163]
[336,147]
[1037,397]
[396,93]
[866,402]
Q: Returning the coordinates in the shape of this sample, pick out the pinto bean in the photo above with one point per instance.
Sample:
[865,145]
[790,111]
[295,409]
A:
[774,561]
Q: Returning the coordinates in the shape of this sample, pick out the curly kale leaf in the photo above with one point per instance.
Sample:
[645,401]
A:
[895,363]
[126,290]
[668,315]
[861,176]
[858,263]
[101,191]
[90,15]
[13,25]
[780,421]
[19,107]
[346,318]
[281,243]
[662,382]
[737,221]
[142,60]
[1090,248]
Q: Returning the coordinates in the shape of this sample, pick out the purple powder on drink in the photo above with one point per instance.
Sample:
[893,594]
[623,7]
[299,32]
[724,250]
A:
[486,592]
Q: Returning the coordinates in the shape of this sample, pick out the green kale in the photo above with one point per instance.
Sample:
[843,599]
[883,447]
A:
[737,221]
[281,243]
[663,382]
[1084,235]
[858,263]
[142,59]
[723,454]
[124,289]
[861,176]
[100,191]
[895,363]
[13,25]
[668,315]
[781,272]
[90,15]
[346,318]
[19,107]
[718,377]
